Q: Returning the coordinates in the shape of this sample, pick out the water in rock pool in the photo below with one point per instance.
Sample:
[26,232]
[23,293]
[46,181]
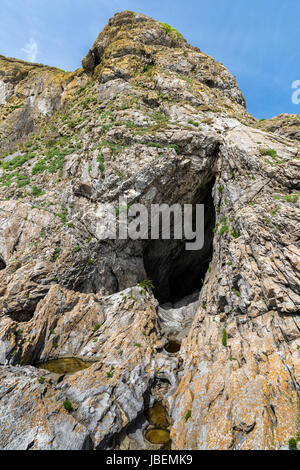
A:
[65,365]
[157,416]
[158,436]
[172,347]
[158,432]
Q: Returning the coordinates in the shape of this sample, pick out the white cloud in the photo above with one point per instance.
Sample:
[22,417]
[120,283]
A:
[31,49]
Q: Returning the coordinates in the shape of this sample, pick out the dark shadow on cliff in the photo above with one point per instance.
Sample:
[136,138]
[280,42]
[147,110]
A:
[176,273]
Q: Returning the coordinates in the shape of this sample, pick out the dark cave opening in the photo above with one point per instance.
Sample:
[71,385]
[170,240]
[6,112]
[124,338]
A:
[177,273]
[2,264]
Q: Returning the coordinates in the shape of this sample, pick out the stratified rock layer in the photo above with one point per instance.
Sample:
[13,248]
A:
[155,120]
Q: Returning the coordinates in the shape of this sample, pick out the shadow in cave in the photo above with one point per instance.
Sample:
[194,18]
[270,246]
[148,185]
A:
[177,273]
[2,264]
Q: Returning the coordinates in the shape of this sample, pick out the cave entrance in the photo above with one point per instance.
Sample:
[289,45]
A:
[177,273]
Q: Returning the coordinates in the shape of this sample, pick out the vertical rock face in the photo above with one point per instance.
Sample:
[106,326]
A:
[157,121]
[29,93]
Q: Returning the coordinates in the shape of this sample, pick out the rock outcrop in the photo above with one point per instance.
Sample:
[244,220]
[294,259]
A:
[285,125]
[155,120]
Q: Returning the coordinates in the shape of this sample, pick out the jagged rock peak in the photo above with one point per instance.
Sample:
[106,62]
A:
[132,43]
[127,33]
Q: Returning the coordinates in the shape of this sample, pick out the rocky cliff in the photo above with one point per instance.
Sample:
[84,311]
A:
[216,342]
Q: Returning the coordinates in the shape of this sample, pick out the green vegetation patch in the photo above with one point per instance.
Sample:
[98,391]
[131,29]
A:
[147,285]
[36,192]
[270,152]
[97,327]
[16,162]
[224,338]
[273,154]
[148,70]
[224,228]
[193,123]
[235,233]
[68,406]
[54,160]
[293,198]
[171,31]
[100,160]
[154,144]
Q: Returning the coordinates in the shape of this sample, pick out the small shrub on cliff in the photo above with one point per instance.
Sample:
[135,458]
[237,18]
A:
[193,123]
[159,117]
[37,192]
[148,70]
[155,145]
[101,162]
[224,229]
[188,415]
[236,292]
[174,146]
[268,152]
[171,31]
[224,338]
[39,167]
[293,444]
[81,90]
[68,406]
[22,180]
[56,254]
[235,233]
[63,215]
[74,123]
[147,285]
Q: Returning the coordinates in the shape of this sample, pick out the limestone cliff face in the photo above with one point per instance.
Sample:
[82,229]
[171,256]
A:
[156,120]
[29,93]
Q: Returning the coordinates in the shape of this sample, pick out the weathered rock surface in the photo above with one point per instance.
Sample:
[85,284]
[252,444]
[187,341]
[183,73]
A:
[155,120]
[285,125]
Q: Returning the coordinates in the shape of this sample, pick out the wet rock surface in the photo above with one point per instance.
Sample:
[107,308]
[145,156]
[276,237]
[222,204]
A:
[155,120]
[65,365]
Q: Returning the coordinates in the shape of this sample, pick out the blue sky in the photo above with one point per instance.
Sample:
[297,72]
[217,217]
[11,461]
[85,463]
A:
[257,40]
